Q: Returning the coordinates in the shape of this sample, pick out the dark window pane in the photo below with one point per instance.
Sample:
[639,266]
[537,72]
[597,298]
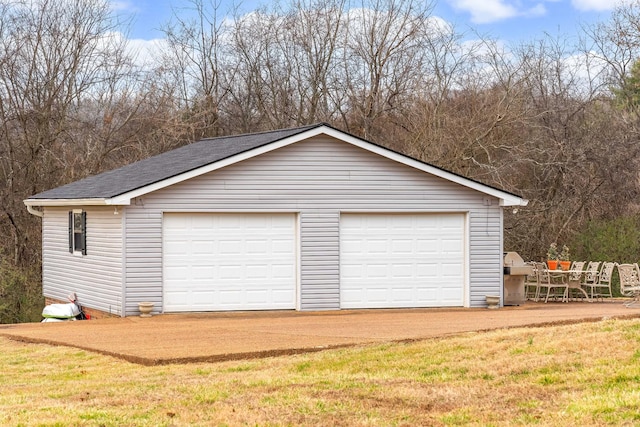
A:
[77,241]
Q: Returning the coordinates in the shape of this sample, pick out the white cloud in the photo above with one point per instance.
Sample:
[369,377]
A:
[122,5]
[595,5]
[537,10]
[145,52]
[487,11]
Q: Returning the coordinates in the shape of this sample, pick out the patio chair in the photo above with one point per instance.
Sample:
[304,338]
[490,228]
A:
[575,277]
[531,283]
[590,275]
[591,272]
[630,282]
[600,287]
[577,265]
[552,285]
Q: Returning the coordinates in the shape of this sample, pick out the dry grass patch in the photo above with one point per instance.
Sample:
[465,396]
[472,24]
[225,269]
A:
[586,374]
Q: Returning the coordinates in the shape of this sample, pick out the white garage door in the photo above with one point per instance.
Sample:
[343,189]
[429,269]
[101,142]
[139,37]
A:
[214,262]
[405,260]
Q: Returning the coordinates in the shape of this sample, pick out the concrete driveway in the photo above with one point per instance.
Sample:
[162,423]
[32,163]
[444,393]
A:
[210,337]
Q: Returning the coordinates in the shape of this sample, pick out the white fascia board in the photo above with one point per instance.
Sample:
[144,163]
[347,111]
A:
[67,202]
[513,201]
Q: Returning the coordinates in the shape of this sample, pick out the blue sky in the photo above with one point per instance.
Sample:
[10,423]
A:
[509,20]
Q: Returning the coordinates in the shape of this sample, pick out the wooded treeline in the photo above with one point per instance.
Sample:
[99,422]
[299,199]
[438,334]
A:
[554,119]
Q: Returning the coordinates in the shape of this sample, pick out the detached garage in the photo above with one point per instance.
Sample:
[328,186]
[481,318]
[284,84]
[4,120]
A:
[309,218]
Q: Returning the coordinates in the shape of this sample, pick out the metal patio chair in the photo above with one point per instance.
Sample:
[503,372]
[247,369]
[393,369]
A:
[552,285]
[531,283]
[600,287]
[630,282]
[591,273]
[575,276]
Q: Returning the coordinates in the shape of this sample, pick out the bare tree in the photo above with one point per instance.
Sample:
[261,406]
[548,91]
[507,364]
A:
[383,58]
[310,45]
[54,54]
[283,62]
[262,93]
[193,59]
[616,42]
[572,140]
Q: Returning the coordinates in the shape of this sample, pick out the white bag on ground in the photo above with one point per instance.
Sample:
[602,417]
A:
[61,311]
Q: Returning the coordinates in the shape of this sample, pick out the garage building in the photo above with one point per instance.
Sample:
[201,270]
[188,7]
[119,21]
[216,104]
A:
[309,218]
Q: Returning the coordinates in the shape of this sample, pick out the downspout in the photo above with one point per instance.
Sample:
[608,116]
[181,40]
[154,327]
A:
[123,251]
[34,211]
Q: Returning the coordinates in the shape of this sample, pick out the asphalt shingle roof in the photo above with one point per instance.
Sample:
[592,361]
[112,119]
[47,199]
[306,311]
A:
[167,165]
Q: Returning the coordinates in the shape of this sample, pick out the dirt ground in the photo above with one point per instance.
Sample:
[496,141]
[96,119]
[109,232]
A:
[183,338]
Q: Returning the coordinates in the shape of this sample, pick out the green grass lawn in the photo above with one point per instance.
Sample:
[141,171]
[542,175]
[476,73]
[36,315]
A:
[586,374]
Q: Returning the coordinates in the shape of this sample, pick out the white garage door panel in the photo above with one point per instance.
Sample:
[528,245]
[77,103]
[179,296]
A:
[405,260]
[214,262]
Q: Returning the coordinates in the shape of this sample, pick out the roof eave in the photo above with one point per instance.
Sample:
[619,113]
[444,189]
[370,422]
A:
[76,202]
[513,201]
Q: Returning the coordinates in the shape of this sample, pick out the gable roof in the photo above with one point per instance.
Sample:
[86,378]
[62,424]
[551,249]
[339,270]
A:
[120,186]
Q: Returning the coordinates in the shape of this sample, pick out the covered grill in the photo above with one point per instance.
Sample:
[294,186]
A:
[515,271]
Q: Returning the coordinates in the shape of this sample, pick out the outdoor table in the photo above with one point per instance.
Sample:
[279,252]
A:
[564,275]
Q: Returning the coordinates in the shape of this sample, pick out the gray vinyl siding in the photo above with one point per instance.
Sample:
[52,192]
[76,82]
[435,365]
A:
[319,260]
[318,178]
[485,249]
[143,257]
[96,277]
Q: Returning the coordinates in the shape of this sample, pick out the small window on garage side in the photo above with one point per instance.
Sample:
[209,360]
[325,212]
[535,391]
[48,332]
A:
[78,232]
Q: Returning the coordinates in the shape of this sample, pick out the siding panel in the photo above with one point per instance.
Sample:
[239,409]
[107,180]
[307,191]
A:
[319,261]
[97,277]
